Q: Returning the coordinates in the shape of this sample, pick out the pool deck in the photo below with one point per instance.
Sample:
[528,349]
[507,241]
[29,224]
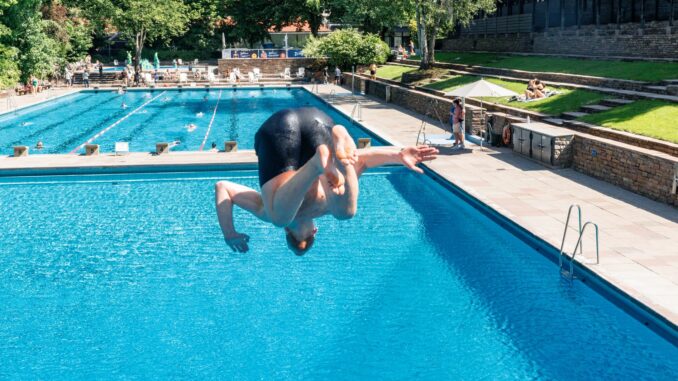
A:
[638,236]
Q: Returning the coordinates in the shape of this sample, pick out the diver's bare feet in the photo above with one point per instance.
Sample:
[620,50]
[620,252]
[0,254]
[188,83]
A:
[345,149]
[325,164]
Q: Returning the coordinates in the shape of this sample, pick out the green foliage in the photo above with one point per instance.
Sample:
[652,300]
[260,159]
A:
[9,70]
[348,47]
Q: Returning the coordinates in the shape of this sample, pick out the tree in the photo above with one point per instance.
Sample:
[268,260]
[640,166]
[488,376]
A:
[9,70]
[348,47]
[374,16]
[436,16]
[140,21]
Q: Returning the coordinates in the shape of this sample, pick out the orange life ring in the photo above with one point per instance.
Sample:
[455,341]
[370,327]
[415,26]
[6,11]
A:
[506,135]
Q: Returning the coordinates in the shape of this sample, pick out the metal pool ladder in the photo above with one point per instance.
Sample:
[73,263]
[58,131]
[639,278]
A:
[579,245]
[357,111]
[11,102]
[330,97]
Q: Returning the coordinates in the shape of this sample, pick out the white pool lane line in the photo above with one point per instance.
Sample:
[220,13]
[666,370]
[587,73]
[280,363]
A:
[209,127]
[98,134]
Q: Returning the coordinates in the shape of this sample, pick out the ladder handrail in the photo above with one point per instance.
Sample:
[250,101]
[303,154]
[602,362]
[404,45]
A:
[330,97]
[359,108]
[567,223]
[574,253]
[422,129]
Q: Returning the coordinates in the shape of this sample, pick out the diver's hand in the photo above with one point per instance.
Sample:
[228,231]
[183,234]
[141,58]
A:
[238,242]
[411,156]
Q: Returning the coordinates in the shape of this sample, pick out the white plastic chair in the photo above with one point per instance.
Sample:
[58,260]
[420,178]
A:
[251,77]
[121,148]
[180,62]
[232,78]
[195,61]
[183,77]
[257,72]
[287,74]
[301,72]
[210,77]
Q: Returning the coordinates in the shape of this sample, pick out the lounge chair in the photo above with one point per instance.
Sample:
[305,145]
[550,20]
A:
[236,71]
[210,77]
[183,77]
[121,148]
[301,72]
[287,74]
[195,61]
[232,78]
[257,72]
[180,62]
[252,77]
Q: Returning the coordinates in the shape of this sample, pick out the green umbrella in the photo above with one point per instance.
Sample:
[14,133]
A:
[156,61]
[129,57]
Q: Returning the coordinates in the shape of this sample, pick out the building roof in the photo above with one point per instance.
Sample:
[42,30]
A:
[298,27]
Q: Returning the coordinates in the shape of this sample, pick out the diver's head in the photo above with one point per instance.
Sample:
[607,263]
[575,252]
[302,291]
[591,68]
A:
[301,236]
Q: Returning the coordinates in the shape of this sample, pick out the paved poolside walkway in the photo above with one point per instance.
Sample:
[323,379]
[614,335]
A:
[638,236]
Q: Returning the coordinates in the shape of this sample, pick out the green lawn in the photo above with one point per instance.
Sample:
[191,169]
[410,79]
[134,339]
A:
[393,72]
[568,100]
[636,70]
[656,119]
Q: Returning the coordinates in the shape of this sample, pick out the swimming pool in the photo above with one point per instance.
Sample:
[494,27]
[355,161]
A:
[128,276]
[66,124]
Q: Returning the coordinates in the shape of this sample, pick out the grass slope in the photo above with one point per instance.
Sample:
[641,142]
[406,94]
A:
[653,118]
[634,70]
[393,72]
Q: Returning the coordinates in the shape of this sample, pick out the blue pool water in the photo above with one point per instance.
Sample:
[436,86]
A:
[127,276]
[64,125]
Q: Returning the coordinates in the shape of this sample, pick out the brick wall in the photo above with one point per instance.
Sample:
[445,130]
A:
[270,66]
[437,108]
[642,172]
[657,40]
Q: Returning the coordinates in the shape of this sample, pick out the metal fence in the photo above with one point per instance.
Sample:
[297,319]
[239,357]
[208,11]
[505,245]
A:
[500,25]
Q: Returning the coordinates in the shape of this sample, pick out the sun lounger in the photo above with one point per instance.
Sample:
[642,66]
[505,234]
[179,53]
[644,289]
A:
[287,74]
[183,77]
[251,77]
[257,72]
[301,72]
[232,78]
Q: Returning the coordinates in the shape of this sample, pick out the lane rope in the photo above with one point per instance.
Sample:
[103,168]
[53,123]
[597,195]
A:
[209,127]
[100,133]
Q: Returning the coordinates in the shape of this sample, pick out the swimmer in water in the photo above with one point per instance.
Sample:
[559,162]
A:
[200,114]
[214,147]
[308,167]
[39,145]
[191,127]
[205,98]
[24,124]
[124,105]
[121,91]
[174,143]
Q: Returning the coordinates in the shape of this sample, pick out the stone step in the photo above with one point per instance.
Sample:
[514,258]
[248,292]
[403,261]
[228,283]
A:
[573,114]
[655,89]
[595,108]
[670,82]
[556,121]
[614,102]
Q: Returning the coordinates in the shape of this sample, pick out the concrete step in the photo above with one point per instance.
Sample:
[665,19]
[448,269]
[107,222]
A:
[670,82]
[614,102]
[573,115]
[556,121]
[591,109]
[655,89]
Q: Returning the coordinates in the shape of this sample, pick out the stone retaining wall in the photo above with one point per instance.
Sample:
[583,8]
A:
[437,108]
[586,80]
[656,39]
[641,171]
[269,67]
[648,174]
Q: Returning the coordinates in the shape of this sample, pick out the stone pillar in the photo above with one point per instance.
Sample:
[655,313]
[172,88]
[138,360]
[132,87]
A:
[91,150]
[161,148]
[20,151]
[231,146]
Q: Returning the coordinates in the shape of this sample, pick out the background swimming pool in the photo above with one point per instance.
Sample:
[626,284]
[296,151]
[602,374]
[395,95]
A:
[128,276]
[64,125]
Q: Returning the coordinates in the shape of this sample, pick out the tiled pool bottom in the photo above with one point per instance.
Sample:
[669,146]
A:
[127,276]
[195,118]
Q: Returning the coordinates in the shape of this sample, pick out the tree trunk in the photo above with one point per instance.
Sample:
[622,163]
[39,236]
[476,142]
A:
[432,46]
[139,47]
[423,40]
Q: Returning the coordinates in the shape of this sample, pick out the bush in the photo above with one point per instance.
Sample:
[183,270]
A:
[348,47]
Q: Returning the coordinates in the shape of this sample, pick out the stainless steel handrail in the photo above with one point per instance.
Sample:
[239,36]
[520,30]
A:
[574,253]
[357,109]
[567,223]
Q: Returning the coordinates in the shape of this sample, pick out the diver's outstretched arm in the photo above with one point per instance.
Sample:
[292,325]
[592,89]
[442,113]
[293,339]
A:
[408,156]
[228,194]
